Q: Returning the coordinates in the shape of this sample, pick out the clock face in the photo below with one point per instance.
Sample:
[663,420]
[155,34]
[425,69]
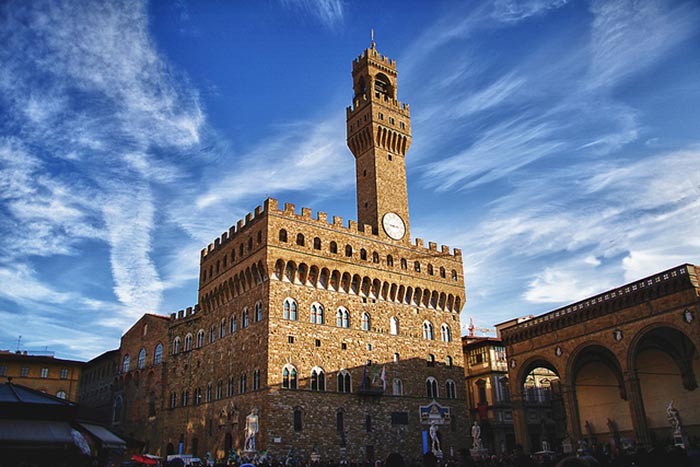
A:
[393,225]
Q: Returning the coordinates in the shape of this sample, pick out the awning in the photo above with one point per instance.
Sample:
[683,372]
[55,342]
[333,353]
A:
[107,438]
[36,432]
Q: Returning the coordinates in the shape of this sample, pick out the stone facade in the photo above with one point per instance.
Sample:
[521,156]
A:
[337,334]
[621,357]
[95,394]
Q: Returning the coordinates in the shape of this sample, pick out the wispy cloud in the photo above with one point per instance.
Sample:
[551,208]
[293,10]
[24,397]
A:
[329,12]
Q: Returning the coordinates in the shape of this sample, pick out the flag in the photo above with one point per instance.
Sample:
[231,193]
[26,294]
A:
[383,377]
[374,375]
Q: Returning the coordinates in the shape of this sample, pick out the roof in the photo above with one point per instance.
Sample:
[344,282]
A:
[14,356]
[35,432]
[106,437]
[17,394]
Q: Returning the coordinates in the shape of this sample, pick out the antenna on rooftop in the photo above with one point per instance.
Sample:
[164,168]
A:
[371,32]
[19,340]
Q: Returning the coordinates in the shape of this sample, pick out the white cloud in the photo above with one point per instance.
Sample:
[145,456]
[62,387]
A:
[513,11]
[328,12]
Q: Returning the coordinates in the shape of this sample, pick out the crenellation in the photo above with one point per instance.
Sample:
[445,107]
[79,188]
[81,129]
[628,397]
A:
[258,211]
[239,224]
[445,249]
[420,243]
[289,208]
[231,231]
[337,221]
[248,218]
[217,242]
[352,226]
[322,217]
[306,213]
[432,246]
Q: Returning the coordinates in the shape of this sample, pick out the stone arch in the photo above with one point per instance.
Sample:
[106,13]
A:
[376,288]
[664,359]
[345,282]
[279,270]
[323,278]
[366,286]
[355,284]
[596,378]
[335,280]
[385,290]
[302,271]
[313,276]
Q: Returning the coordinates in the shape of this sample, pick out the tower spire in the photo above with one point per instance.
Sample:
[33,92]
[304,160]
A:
[371,32]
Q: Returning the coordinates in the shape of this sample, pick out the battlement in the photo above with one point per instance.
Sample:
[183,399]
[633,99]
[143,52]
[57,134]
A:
[186,313]
[376,58]
[234,230]
[396,105]
[271,207]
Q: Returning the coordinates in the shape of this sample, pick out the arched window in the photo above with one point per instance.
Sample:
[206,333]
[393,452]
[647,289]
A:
[428,330]
[176,345]
[333,247]
[61,394]
[152,404]
[158,354]
[344,381]
[222,328]
[442,272]
[318,379]
[416,266]
[375,257]
[173,399]
[431,387]
[454,275]
[450,389]
[283,235]
[365,322]
[316,313]
[232,324]
[389,260]
[397,387]
[117,410]
[289,377]
[212,333]
[348,251]
[142,359]
[430,360]
[258,312]
[259,237]
[317,243]
[343,318]
[363,254]
[245,319]
[197,396]
[445,333]
[404,264]
[300,239]
[188,342]
[448,361]
[289,309]
[394,325]
[430,269]
[200,338]
[397,357]
[126,363]
[185,398]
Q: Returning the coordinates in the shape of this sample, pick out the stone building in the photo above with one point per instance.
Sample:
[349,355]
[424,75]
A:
[341,337]
[95,391]
[55,376]
[626,361]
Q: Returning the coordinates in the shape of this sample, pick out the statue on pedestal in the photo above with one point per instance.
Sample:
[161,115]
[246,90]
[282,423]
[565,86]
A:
[476,436]
[251,429]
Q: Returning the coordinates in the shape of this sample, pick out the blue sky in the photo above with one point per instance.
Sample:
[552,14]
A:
[557,143]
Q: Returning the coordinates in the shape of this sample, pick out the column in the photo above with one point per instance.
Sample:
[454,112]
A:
[639,421]
[520,421]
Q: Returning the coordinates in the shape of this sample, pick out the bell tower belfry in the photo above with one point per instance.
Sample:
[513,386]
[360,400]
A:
[378,135]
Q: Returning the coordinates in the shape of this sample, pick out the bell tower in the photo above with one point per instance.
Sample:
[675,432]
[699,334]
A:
[378,135]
